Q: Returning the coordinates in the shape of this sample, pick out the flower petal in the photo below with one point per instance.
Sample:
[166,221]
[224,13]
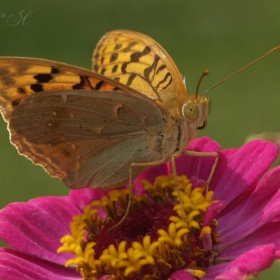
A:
[198,166]
[261,237]
[262,206]
[83,197]
[181,275]
[250,263]
[15,266]
[244,168]
[212,212]
[36,227]
[224,157]
[187,165]
[213,271]
[151,173]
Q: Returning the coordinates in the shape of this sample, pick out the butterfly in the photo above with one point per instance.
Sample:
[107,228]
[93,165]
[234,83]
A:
[101,128]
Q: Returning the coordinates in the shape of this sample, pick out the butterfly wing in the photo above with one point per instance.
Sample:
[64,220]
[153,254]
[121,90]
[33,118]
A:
[22,77]
[79,126]
[139,62]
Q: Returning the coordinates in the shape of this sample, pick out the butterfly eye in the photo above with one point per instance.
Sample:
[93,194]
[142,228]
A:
[190,111]
[203,126]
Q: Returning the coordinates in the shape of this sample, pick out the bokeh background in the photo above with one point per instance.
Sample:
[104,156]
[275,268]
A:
[221,36]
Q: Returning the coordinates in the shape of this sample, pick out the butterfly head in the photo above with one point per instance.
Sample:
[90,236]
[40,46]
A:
[195,111]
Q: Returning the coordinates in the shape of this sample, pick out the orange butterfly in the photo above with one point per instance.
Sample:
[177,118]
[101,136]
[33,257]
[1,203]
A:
[102,128]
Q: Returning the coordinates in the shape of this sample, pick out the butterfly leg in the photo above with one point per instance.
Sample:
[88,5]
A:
[145,164]
[150,164]
[174,171]
[205,154]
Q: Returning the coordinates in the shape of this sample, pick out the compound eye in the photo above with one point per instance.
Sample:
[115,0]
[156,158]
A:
[203,126]
[190,111]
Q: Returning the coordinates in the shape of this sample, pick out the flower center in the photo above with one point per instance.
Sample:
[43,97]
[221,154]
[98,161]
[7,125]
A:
[165,231]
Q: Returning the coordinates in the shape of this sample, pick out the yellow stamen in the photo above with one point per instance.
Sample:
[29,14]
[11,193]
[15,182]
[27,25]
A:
[205,230]
[196,272]
[167,250]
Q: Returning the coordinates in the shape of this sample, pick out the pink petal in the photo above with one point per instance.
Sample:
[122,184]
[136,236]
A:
[83,197]
[262,206]
[212,212]
[207,242]
[244,168]
[15,266]
[154,171]
[250,264]
[199,167]
[36,227]
[196,182]
[261,237]
[181,275]
[224,157]
[213,271]
[190,166]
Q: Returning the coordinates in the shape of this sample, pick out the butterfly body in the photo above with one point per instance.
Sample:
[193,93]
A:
[88,128]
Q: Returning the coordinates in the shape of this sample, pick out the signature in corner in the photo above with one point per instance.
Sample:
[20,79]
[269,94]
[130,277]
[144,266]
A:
[14,20]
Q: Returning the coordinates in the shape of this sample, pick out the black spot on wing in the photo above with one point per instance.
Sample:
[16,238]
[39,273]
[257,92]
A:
[16,102]
[153,67]
[161,68]
[79,85]
[134,57]
[123,67]
[103,70]
[43,78]
[164,80]
[95,68]
[117,46]
[98,85]
[84,83]
[96,56]
[21,90]
[37,87]
[115,68]
[128,48]
[130,79]
[114,57]
[54,70]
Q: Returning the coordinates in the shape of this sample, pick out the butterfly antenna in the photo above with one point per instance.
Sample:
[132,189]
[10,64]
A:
[247,66]
[205,73]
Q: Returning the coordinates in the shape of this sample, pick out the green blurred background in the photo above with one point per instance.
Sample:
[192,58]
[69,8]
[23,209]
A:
[221,36]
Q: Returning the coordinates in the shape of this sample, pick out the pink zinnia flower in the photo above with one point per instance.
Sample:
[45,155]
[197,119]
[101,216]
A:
[233,235]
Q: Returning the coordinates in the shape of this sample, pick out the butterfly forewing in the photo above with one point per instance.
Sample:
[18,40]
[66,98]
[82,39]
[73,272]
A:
[22,77]
[80,126]
[140,63]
